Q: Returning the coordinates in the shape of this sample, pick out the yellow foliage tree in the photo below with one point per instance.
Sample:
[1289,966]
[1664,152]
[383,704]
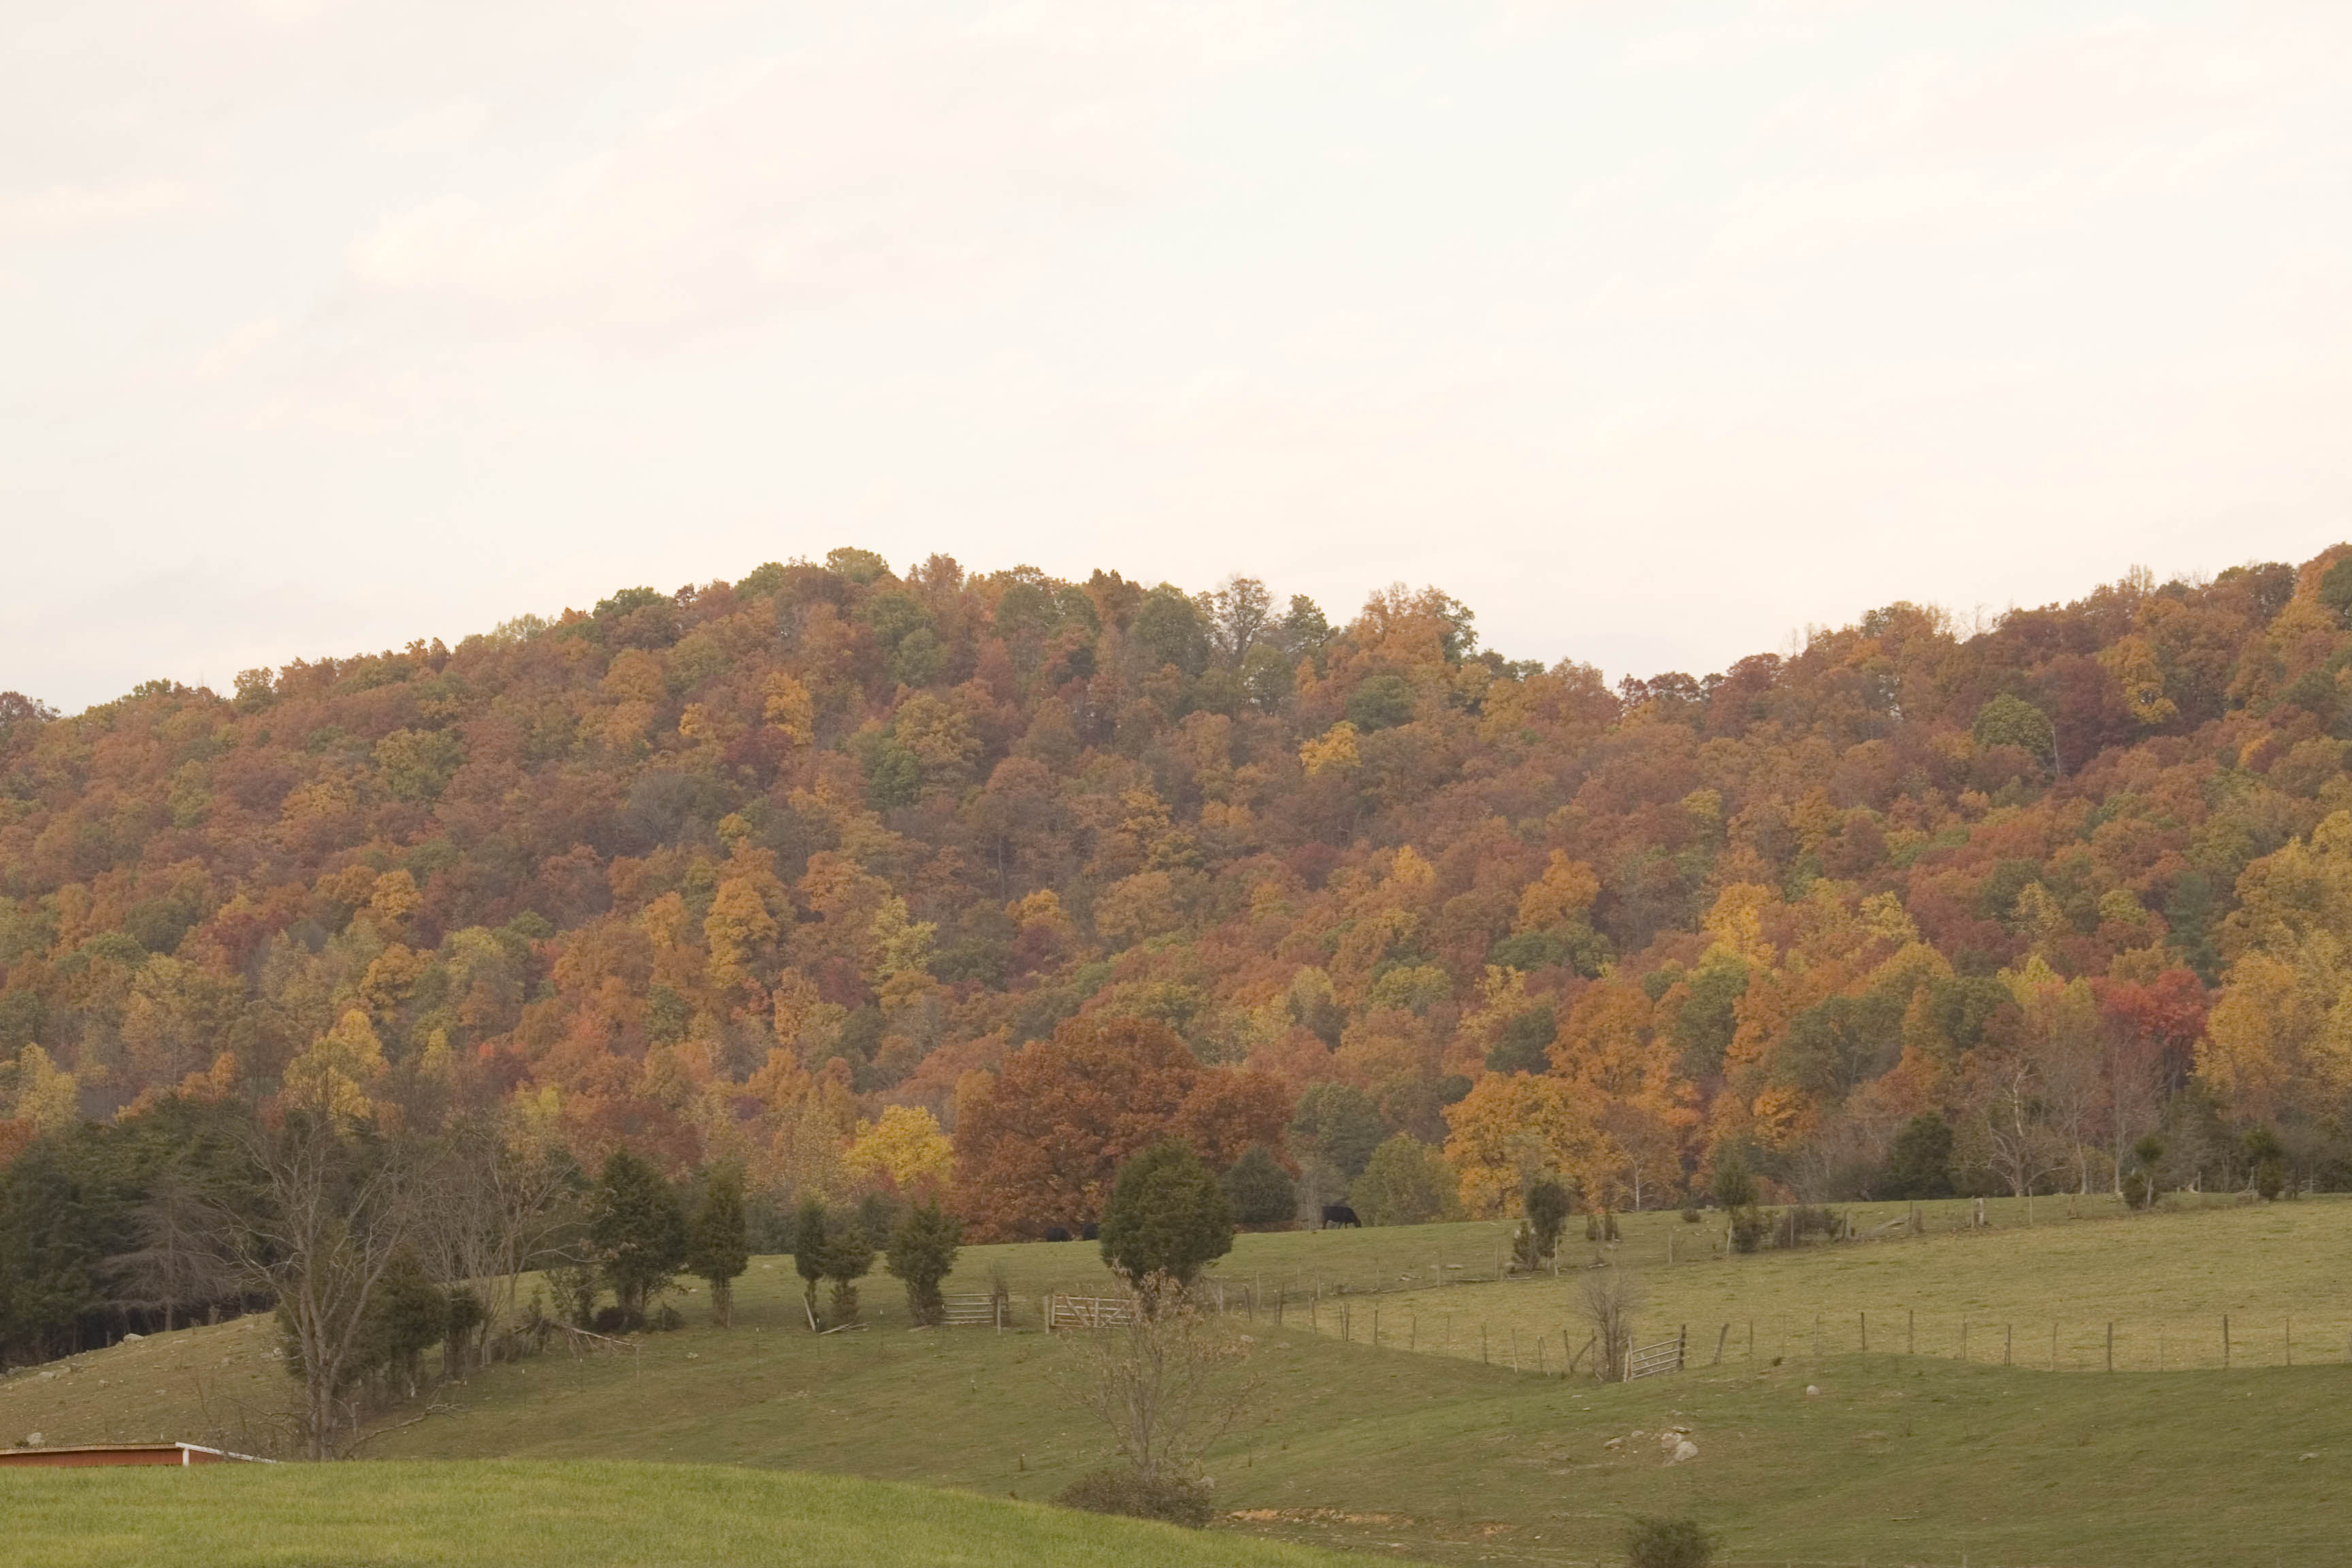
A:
[736,929]
[47,1095]
[1564,892]
[905,1148]
[333,1076]
[1507,1132]
[1335,747]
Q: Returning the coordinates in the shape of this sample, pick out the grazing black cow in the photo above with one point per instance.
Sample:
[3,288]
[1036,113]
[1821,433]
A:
[1090,1231]
[1339,1214]
[1057,1233]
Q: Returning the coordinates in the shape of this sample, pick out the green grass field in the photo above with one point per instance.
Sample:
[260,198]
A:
[514,1514]
[2278,1272]
[1899,1458]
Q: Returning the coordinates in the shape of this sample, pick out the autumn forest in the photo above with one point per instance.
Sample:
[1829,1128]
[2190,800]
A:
[969,886]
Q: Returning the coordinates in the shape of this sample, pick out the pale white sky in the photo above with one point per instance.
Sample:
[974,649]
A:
[1653,330]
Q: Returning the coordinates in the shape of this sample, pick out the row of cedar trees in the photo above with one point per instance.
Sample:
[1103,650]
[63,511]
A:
[971,886]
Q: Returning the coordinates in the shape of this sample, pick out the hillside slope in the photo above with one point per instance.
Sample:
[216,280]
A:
[1901,1458]
[724,872]
[607,1515]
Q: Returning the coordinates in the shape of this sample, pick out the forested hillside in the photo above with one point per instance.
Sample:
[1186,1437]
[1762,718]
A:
[877,880]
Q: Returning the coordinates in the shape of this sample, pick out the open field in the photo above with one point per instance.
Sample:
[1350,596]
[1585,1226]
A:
[523,1515]
[1900,1458]
[2281,1272]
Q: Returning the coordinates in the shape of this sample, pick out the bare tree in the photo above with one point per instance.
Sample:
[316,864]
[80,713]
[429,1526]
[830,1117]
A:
[1164,1382]
[1609,1300]
[332,1206]
[2009,1124]
[178,1264]
[494,1208]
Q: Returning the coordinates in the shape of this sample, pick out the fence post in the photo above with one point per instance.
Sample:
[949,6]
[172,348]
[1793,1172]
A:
[1718,1345]
[1865,1334]
[2290,1341]
[2008,1342]
[2225,1341]
[1910,1330]
[1482,1344]
[2053,1345]
[1515,1348]
[1964,1339]
[1376,1325]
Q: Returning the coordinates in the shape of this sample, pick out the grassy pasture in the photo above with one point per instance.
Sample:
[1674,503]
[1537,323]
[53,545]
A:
[1899,1459]
[512,1514]
[2163,1280]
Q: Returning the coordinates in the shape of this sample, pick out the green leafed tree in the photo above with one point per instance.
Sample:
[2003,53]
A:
[810,1236]
[1406,1181]
[638,1228]
[1168,1216]
[718,1246]
[922,1253]
[1921,1165]
[1261,1191]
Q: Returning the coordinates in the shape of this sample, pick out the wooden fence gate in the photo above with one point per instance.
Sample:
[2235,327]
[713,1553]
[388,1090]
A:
[1648,1360]
[1088,1311]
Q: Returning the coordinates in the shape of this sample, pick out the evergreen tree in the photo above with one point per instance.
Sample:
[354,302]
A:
[718,1247]
[1260,1190]
[846,1258]
[922,1253]
[1921,1165]
[638,1228]
[1547,1206]
[809,1251]
[1168,1217]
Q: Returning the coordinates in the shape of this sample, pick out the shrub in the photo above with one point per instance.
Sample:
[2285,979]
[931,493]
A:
[1601,1227]
[1690,1214]
[1749,1226]
[1172,1501]
[1668,1543]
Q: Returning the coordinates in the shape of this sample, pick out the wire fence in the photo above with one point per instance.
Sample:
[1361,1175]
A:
[2221,1341]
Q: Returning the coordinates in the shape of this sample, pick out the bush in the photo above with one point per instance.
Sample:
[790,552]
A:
[1690,1214]
[1125,1492]
[1601,1227]
[1668,1543]
[1749,1227]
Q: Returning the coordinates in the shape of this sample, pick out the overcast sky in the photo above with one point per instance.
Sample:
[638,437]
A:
[1653,331]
